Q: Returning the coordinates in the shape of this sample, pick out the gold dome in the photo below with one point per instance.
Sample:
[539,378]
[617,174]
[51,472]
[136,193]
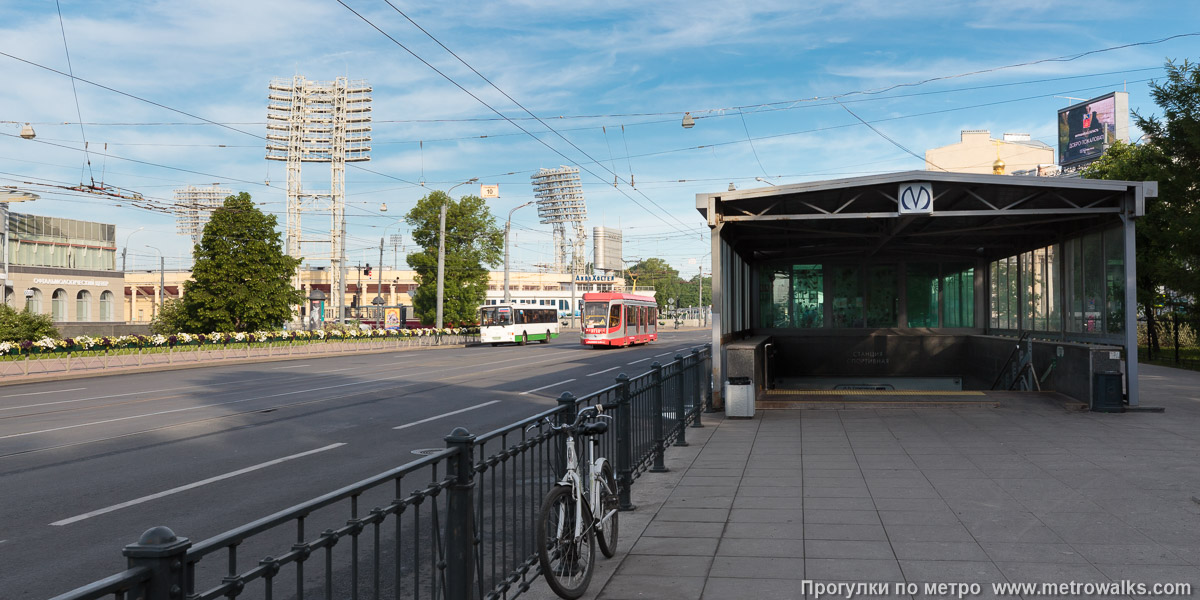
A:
[998,167]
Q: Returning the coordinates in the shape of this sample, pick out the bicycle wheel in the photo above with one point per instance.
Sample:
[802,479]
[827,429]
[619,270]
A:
[566,561]
[607,537]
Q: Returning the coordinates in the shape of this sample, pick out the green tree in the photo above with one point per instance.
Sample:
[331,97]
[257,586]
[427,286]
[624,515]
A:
[18,326]
[665,279]
[473,244]
[171,318]
[1176,136]
[1155,255]
[1168,244]
[242,280]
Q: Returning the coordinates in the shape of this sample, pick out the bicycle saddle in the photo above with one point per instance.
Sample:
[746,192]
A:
[595,428]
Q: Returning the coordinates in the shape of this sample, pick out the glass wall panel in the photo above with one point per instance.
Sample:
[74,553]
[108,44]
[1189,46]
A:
[1053,289]
[847,297]
[1014,294]
[883,297]
[1093,284]
[808,293]
[994,284]
[774,290]
[1038,302]
[921,294]
[1114,272]
[791,296]
[1027,290]
[1073,294]
[958,296]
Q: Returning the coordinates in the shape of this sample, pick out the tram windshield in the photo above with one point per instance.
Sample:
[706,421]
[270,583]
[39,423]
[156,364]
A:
[595,314]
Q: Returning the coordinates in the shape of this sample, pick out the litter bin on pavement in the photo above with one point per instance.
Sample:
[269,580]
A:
[1107,395]
[739,397]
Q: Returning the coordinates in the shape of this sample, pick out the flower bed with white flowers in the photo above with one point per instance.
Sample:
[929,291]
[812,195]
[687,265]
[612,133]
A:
[124,344]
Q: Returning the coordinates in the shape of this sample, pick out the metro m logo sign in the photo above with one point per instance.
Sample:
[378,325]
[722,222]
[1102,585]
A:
[916,198]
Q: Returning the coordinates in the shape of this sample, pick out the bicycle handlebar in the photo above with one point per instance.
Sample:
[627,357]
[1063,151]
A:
[589,412]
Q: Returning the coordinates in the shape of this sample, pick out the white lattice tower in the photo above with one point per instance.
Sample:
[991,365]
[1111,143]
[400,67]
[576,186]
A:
[310,121]
[194,206]
[560,203]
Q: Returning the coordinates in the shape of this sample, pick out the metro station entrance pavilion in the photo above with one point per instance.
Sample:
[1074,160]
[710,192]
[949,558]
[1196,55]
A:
[928,281]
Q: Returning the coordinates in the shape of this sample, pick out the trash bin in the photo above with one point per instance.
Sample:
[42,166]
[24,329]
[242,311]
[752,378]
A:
[739,397]
[1107,395]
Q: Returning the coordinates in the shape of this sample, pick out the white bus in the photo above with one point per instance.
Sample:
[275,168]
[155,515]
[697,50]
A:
[517,323]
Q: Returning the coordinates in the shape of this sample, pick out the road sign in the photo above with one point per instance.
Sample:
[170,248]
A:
[489,191]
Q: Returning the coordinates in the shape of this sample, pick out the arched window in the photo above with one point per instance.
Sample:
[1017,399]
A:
[58,305]
[106,306]
[83,306]
[33,302]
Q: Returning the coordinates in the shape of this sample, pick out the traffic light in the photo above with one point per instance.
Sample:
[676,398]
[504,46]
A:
[367,271]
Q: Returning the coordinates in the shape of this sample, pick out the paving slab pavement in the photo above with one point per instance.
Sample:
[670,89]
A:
[1024,493]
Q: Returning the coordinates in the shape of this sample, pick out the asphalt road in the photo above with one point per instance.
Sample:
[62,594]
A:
[87,465]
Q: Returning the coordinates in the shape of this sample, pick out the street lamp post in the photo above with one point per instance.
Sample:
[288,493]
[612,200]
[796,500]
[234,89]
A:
[507,226]
[126,248]
[162,276]
[441,273]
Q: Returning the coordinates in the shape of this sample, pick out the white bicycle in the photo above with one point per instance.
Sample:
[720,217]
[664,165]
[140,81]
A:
[567,528]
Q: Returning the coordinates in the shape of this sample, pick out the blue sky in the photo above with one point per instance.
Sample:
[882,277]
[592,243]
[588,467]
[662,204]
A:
[613,78]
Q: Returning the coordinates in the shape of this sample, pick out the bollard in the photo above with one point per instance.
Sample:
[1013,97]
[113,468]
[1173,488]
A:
[659,465]
[697,390]
[624,444]
[680,393]
[163,553]
[460,518]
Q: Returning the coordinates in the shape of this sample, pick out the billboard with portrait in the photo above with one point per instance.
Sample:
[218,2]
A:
[1087,129]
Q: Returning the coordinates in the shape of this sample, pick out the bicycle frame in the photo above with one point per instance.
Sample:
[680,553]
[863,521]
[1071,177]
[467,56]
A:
[572,479]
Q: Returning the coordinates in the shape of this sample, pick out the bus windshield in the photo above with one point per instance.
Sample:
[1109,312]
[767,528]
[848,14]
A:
[595,314]
[495,315]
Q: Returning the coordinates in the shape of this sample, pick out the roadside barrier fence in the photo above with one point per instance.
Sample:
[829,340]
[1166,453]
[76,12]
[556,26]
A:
[457,524]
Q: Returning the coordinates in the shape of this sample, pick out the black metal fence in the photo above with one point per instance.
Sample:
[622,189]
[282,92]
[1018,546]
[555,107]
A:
[455,525]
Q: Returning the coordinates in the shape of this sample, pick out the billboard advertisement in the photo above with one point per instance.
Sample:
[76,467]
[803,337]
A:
[1086,129]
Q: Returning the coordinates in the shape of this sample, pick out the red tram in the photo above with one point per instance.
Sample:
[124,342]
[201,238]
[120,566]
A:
[617,319]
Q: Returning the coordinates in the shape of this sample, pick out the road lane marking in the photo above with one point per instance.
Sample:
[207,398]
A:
[461,410]
[604,371]
[201,406]
[40,393]
[184,488]
[473,368]
[642,360]
[546,386]
[336,370]
[663,354]
[289,367]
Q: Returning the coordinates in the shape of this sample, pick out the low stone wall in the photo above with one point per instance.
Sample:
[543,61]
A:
[97,330]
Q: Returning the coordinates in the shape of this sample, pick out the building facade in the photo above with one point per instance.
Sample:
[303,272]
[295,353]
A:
[143,292]
[977,152]
[64,268]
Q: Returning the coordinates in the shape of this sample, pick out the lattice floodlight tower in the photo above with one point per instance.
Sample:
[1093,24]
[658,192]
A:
[194,206]
[560,202]
[319,121]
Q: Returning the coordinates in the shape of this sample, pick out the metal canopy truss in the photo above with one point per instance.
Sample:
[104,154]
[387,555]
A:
[315,121]
[974,216]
